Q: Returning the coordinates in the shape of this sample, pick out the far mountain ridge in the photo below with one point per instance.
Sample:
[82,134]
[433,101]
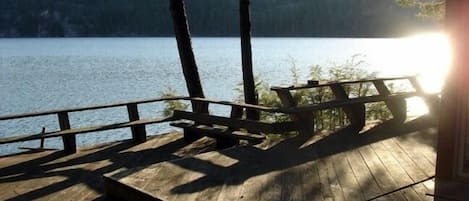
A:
[336,18]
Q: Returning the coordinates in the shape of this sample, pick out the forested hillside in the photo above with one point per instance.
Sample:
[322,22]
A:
[33,18]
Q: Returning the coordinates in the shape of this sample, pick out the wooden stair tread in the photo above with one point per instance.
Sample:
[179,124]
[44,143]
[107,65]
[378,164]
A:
[218,131]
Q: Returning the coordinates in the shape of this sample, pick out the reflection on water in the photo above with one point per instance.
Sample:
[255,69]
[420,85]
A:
[44,74]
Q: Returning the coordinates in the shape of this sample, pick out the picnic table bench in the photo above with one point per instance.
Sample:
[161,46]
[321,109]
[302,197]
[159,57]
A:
[353,107]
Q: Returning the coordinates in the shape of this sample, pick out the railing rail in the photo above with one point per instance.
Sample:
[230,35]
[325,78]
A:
[300,113]
[137,125]
[79,109]
[68,133]
[342,82]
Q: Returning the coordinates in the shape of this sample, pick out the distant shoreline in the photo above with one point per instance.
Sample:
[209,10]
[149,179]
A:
[235,36]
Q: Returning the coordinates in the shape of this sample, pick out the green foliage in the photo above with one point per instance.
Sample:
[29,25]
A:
[351,69]
[171,105]
[432,9]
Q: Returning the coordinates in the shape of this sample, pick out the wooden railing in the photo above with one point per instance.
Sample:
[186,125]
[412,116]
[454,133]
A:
[353,107]
[68,133]
[302,115]
[137,125]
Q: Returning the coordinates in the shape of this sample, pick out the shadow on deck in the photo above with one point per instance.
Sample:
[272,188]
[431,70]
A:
[53,175]
[339,166]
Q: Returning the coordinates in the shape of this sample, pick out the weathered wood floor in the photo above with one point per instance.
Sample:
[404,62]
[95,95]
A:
[339,166]
[50,175]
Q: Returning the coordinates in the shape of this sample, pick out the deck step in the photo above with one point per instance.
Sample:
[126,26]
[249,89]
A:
[216,132]
[156,182]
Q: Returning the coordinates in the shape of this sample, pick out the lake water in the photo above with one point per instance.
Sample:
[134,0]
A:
[44,74]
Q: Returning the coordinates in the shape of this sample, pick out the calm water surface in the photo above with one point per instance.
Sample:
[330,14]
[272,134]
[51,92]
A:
[44,74]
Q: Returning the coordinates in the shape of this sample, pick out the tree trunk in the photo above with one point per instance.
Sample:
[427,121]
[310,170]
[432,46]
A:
[189,67]
[250,95]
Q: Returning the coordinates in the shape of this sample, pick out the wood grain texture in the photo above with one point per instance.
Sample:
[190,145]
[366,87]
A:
[337,166]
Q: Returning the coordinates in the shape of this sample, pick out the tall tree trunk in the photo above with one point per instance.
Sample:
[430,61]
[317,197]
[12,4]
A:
[250,95]
[189,67]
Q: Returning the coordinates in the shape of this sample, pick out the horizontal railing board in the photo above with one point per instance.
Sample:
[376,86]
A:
[243,105]
[73,131]
[329,83]
[78,109]
[341,103]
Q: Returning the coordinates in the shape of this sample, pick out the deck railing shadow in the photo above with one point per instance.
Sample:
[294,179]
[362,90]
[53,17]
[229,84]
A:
[289,153]
[252,161]
[74,168]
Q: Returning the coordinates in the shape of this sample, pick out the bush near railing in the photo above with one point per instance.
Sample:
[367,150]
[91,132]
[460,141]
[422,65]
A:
[330,119]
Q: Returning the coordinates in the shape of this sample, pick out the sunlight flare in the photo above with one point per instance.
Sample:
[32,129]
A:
[430,55]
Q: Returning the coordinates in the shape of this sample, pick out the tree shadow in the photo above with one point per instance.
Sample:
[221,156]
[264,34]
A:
[85,168]
[290,153]
[251,161]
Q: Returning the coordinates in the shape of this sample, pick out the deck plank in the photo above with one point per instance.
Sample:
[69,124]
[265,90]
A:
[230,190]
[378,170]
[310,182]
[326,188]
[365,179]
[416,156]
[397,173]
[406,163]
[272,186]
[326,169]
[291,184]
[347,179]
[335,187]
[250,189]
[213,192]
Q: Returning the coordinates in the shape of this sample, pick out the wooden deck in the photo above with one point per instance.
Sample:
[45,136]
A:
[337,166]
[340,166]
[53,175]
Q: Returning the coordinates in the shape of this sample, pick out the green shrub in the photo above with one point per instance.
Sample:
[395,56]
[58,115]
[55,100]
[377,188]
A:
[331,119]
[171,105]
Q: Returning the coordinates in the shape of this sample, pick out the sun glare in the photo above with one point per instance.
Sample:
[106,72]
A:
[429,57]
[426,55]
[430,54]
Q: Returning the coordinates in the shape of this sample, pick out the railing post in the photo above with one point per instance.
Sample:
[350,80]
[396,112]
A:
[225,142]
[355,113]
[398,107]
[43,131]
[418,88]
[305,120]
[69,141]
[433,102]
[139,133]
